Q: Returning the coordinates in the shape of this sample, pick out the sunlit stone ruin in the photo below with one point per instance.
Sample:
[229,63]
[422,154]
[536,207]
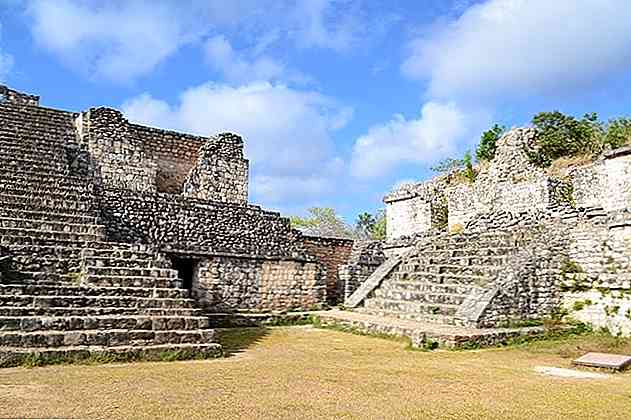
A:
[127,242]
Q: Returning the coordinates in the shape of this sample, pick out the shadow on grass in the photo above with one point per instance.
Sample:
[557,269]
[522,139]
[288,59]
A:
[237,340]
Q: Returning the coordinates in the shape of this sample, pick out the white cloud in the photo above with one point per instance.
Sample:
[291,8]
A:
[236,67]
[122,40]
[326,24]
[287,132]
[523,47]
[440,131]
[117,40]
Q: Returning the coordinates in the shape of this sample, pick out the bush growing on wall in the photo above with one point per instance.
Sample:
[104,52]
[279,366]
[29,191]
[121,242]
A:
[488,143]
[618,132]
[560,135]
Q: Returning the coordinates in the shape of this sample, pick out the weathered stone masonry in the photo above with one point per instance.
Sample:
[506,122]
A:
[520,244]
[116,238]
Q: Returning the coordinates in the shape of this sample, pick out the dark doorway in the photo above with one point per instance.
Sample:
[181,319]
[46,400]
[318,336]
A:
[186,269]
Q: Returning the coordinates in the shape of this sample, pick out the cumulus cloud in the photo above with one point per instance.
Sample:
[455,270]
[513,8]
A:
[287,131]
[523,47]
[440,131]
[117,40]
[237,67]
[122,40]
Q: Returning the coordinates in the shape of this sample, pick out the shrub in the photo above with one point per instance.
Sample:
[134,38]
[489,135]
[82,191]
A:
[618,132]
[488,143]
[468,170]
[560,135]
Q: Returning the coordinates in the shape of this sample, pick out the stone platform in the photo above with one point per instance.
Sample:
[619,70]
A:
[424,334]
[604,361]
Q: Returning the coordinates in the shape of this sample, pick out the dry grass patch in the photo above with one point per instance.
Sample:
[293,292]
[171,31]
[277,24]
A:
[561,166]
[304,373]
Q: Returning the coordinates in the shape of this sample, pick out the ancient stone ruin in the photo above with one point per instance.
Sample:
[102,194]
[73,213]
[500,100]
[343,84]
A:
[515,246]
[119,240]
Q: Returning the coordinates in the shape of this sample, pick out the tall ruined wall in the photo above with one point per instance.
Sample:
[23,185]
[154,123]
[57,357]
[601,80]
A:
[138,158]
[221,172]
[416,208]
[13,96]
[509,184]
[119,155]
[332,253]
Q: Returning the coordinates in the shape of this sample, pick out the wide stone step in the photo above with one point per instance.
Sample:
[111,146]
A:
[427,287]
[34,186]
[52,226]
[94,301]
[79,219]
[411,316]
[131,281]
[112,337]
[30,147]
[103,262]
[67,290]
[410,307]
[465,261]
[65,311]
[35,165]
[131,272]
[441,278]
[420,297]
[47,204]
[54,195]
[38,178]
[103,322]
[32,235]
[15,356]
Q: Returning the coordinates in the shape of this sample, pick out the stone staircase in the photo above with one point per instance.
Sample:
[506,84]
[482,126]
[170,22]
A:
[430,283]
[76,295]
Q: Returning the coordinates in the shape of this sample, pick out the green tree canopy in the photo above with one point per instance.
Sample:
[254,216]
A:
[322,221]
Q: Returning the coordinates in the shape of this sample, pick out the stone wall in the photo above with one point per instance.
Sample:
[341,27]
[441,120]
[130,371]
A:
[416,208]
[182,223]
[604,183]
[508,184]
[221,172]
[119,156]
[16,97]
[228,284]
[332,253]
[145,159]
[596,277]
[364,259]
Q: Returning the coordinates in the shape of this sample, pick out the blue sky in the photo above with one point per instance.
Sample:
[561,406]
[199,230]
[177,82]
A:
[338,101]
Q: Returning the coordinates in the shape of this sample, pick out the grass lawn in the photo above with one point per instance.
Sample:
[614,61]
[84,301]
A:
[303,372]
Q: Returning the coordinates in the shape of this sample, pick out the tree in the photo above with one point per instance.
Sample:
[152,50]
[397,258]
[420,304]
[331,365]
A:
[488,143]
[618,132]
[365,225]
[322,221]
[560,135]
[468,170]
[369,226]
